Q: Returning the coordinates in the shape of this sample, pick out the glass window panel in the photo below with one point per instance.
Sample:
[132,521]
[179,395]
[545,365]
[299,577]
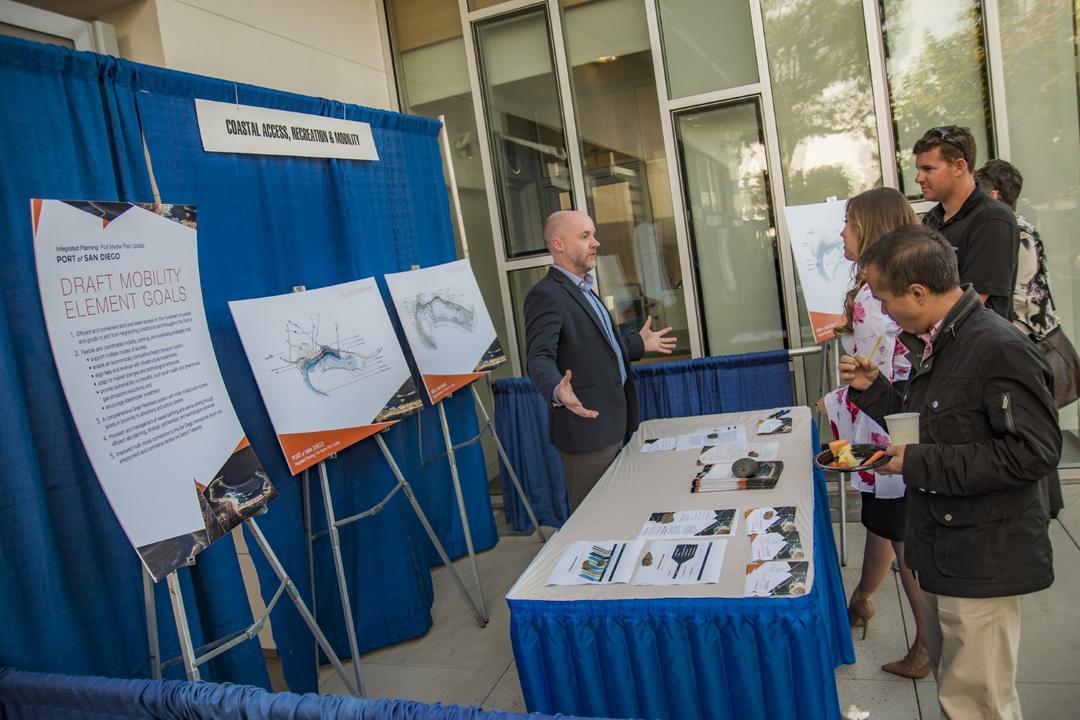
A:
[937,75]
[626,172]
[708,45]
[433,77]
[525,121]
[727,191]
[823,98]
[521,281]
[1039,56]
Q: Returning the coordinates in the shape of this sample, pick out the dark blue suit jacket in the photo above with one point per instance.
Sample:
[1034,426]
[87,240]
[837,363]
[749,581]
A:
[563,332]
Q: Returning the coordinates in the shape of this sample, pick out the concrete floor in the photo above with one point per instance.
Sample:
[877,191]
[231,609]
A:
[458,662]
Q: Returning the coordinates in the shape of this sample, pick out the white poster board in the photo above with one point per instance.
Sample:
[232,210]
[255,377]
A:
[446,325]
[824,272]
[123,306]
[328,365]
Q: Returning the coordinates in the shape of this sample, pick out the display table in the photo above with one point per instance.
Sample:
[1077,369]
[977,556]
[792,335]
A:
[697,651]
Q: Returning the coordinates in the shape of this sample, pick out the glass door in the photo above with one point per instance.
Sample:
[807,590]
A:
[723,167]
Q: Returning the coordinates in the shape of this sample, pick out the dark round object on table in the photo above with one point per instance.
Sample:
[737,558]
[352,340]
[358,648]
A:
[745,467]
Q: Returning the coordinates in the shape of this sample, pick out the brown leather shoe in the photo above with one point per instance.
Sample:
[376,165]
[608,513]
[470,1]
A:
[908,667]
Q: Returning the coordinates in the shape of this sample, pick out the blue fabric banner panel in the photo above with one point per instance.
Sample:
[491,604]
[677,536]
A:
[685,388]
[72,598]
[38,696]
[267,224]
[730,659]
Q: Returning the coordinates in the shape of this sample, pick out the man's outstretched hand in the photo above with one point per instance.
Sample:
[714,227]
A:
[656,340]
[569,399]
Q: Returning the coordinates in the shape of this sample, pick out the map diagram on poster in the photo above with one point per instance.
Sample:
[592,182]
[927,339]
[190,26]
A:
[447,326]
[123,306]
[824,272]
[328,366]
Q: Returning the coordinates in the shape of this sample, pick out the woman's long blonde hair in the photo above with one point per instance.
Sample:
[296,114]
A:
[871,214]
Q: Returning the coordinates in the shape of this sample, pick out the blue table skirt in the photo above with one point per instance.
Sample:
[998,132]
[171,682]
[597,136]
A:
[734,659]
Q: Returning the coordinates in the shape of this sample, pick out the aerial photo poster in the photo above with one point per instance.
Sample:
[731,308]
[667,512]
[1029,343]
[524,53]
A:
[824,272]
[328,365]
[446,325]
[123,306]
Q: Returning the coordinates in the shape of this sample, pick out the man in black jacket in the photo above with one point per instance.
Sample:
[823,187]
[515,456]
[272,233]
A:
[976,532]
[578,361]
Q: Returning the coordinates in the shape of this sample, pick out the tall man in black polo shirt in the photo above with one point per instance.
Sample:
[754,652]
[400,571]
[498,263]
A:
[980,229]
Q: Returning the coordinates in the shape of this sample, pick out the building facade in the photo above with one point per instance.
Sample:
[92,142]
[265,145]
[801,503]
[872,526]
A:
[684,127]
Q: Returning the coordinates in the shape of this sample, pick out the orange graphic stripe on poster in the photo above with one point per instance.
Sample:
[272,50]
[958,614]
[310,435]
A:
[823,324]
[302,450]
[244,442]
[35,209]
[439,386]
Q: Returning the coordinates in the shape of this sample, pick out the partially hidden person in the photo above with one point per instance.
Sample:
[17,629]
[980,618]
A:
[1034,313]
[869,332]
[977,529]
[577,359]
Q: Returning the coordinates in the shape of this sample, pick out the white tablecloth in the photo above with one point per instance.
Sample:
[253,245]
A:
[638,484]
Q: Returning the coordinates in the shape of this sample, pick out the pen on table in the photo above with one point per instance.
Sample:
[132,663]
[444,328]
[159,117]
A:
[780,413]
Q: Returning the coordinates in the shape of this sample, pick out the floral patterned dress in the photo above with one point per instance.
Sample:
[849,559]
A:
[869,323]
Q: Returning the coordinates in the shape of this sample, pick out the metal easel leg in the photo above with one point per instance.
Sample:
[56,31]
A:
[832,349]
[187,651]
[151,625]
[305,484]
[407,489]
[506,463]
[461,509]
[301,607]
[343,588]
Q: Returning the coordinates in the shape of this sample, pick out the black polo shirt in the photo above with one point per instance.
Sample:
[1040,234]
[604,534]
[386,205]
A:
[983,233]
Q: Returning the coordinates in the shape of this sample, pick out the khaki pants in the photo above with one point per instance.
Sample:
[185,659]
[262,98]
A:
[973,645]
[581,470]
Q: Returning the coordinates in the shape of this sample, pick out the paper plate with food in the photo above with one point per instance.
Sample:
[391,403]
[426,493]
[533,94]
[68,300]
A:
[842,456]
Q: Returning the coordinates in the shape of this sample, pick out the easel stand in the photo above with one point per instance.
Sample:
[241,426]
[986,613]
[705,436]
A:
[830,381]
[193,657]
[333,525]
[451,455]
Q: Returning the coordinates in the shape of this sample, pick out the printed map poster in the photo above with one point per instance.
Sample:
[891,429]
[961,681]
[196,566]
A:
[824,272]
[328,365]
[446,325]
[124,310]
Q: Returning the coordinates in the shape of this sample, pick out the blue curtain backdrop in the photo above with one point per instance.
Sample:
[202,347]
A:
[35,696]
[71,583]
[72,592]
[267,224]
[704,386]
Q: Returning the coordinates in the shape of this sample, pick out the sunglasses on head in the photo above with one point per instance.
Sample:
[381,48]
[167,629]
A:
[942,134]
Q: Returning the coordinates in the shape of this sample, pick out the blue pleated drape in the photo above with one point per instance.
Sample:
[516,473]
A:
[71,584]
[37,696]
[722,659]
[267,224]
[704,386]
[71,596]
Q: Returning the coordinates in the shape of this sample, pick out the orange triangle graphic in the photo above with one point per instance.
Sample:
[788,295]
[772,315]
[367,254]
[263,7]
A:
[439,386]
[35,209]
[302,450]
[244,442]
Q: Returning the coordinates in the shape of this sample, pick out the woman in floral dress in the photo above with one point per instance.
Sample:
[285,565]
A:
[869,332]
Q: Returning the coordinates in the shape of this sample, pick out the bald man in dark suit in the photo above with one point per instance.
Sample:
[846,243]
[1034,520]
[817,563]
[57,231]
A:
[578,361]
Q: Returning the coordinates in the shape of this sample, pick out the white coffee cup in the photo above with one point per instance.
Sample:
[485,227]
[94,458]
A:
[903,428]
